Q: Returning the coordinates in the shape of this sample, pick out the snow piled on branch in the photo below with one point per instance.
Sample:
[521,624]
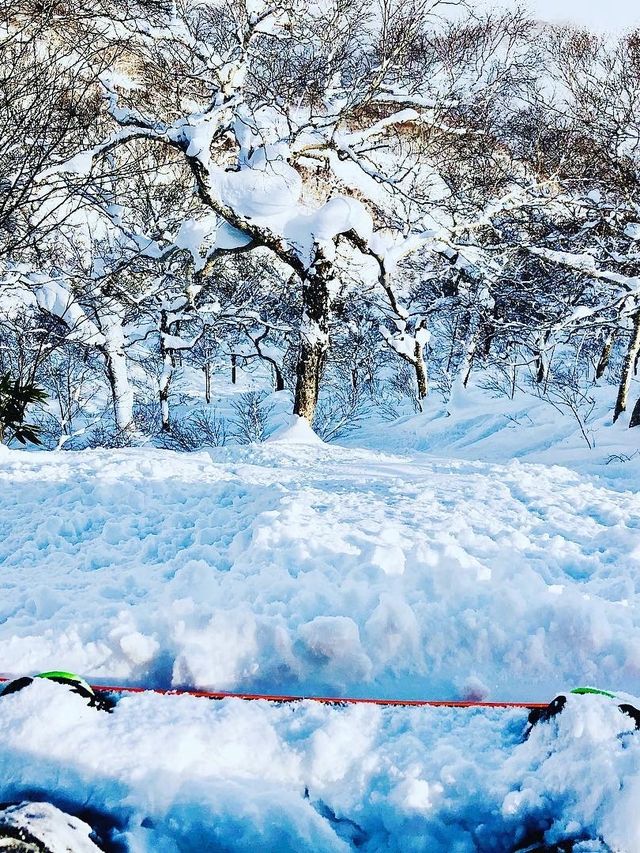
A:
[21,287]
[56,298]
[267,191]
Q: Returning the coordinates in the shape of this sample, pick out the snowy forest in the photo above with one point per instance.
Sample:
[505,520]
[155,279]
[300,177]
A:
[319,428]
[356,205]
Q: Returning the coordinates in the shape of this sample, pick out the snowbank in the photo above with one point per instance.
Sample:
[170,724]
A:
[168,774]
[296,430]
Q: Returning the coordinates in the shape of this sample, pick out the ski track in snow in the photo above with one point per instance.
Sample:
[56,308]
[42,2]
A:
[316,569]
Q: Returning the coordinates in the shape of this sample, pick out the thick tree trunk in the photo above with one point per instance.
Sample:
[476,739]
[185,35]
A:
[309,372]
[314,335]
[628,366]
[234,370]
[117,374]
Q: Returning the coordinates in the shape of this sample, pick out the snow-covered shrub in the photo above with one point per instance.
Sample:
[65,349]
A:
[202,428]
[341,410]
[251,415]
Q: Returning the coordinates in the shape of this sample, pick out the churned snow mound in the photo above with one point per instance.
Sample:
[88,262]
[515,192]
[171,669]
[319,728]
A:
[44,824]
[295,430]
[180,773]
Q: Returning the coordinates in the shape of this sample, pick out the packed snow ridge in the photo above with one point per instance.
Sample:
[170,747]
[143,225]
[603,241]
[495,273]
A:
[298,567]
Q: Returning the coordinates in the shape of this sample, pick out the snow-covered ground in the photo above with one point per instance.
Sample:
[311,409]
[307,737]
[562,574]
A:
[474,425]
[295,566]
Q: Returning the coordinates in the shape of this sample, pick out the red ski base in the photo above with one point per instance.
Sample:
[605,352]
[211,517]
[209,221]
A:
[325,700]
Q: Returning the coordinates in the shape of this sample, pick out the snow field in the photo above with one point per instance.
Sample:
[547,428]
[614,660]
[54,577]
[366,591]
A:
[473,425]
[306,568]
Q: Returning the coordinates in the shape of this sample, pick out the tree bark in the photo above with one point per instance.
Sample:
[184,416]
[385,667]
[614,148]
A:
[207,382]
[166,375]
[468,363]
[605,355]
[314,335]
[415,358]
[421,371]
[234,370]
[628,368]
[471,344]
[541,360]
[165,384]
[635,415]
[279,379]
[310,364]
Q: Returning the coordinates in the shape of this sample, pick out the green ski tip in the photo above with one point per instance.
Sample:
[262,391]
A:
[581,691]
[61,675]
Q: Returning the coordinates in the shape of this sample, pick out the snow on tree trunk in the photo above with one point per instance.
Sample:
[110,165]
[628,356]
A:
[542,361]
[314,335]
[410,348]
[113,350]
[628,367]
[421,371]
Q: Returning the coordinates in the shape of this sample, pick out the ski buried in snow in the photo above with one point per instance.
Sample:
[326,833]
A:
[103,697]
[101,693]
